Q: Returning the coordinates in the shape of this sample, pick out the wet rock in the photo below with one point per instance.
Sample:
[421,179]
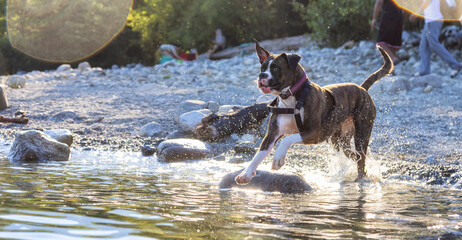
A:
[150,130]
[64,68]
[16,81]
[268,182]
[84,66]
[175,150]
[190,120]
[34,146]
[147,150]
[61,135]
[237,159]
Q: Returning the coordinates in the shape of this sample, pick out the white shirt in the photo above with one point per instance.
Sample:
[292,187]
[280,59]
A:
[433,11]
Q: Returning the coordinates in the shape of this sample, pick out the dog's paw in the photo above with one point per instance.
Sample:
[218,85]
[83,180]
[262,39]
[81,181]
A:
[244,178]
[278,161]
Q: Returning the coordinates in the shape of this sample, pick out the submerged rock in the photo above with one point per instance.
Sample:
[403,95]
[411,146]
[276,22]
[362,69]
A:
[175,150]
[269,182]
[34,146]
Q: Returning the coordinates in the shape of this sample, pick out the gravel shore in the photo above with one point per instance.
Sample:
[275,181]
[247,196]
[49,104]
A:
[105,108]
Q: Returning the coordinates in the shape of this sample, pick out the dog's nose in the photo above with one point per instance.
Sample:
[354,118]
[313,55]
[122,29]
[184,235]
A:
[263,76]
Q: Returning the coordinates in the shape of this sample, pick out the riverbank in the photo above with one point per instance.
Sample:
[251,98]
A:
[105,108]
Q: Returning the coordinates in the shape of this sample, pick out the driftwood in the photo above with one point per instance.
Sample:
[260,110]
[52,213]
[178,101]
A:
[20,120]
[288,43]
[214,127]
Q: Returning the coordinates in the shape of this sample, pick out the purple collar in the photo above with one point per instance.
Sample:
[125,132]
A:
[295,88]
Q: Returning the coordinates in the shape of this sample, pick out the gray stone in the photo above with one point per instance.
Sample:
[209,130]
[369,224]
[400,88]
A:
[179,134]
[213,106]
[84,66]
[61,135]
[16,81]
[190,120]
[150,130]
[192,105]
[349,45]
[269,182]
[64,68]
[34,146]
[428,89]
[430,79]
[184,149]
[398,84]
[225,109]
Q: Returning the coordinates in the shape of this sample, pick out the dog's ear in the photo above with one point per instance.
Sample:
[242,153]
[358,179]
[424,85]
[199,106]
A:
[293,59]
[261,52]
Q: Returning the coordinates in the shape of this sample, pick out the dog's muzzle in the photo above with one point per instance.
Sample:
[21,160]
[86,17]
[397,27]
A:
[263,85]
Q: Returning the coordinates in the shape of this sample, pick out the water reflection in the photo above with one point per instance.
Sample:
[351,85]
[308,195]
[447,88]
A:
[100,195]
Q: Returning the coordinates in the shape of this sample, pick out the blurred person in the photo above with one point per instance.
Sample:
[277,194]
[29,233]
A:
[218,44]
[169,52]
[390,28]
[429,38]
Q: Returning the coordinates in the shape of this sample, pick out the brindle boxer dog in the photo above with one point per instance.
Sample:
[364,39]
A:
[337,112]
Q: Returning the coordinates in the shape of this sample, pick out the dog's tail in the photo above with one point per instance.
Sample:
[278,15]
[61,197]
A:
[386,69]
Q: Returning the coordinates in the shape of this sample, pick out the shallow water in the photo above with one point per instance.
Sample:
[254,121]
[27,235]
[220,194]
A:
[100,195]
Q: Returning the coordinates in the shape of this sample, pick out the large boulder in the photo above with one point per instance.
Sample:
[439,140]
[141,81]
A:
[181,149]
[269,182]
[34,146]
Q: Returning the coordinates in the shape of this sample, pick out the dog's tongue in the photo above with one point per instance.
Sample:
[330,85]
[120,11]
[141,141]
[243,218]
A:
[265,90]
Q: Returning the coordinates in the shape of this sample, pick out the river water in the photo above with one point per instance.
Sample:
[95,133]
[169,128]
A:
[107,195]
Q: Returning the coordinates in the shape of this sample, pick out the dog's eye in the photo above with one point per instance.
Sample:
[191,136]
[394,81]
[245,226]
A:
[275,68]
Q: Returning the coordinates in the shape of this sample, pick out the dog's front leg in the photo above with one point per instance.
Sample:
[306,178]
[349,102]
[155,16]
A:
[281,151]
[265,147]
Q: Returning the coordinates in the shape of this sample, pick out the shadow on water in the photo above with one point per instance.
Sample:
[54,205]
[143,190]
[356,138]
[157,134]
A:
[126,196]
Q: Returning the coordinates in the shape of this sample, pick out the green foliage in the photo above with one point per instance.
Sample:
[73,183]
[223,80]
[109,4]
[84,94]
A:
[337,21]
[192,24]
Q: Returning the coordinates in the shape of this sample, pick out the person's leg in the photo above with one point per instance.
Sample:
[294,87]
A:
[435,45]
[425,52]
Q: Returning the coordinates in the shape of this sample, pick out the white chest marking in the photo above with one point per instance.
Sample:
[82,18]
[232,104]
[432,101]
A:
[286,122]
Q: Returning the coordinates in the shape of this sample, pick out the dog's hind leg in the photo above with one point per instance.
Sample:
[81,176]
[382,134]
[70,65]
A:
[362,136]
[281,151]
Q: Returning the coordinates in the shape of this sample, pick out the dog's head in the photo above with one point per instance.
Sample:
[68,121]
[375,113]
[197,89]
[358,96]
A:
[278,72]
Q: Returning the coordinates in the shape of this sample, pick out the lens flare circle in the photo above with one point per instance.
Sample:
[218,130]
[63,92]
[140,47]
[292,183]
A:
[64,30]
[451,9]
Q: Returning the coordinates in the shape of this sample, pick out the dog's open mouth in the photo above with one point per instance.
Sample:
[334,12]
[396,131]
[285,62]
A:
[264,88]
